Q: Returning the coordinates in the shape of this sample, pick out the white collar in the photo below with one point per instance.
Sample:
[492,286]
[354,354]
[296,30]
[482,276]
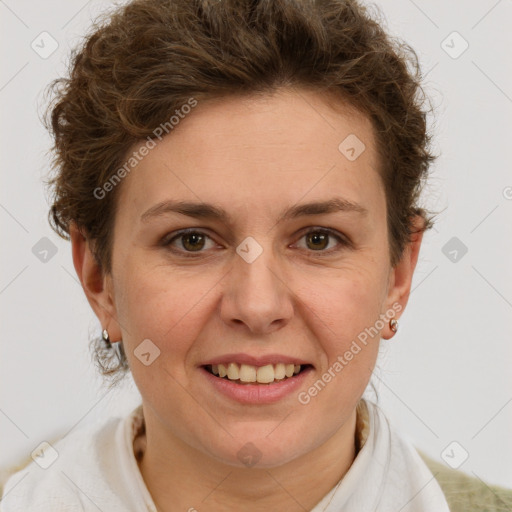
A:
[387,473]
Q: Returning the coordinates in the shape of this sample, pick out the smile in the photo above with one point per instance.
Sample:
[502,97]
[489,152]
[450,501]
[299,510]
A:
[247,373]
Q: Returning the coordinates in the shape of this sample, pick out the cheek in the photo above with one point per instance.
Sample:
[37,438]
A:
[344,302]
[164,307]
[342,312]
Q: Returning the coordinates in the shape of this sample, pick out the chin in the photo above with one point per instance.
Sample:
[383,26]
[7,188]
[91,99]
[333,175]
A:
[263,450]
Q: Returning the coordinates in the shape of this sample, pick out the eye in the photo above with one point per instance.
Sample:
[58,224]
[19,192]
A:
[188,241]
[318,240]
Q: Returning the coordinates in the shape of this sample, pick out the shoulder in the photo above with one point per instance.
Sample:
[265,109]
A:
[66,474]
[468,494]
[52,493]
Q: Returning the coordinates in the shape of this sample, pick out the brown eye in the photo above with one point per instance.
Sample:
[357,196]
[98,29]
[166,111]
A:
[188,242]
[192,241]
[318,240]
[324,241]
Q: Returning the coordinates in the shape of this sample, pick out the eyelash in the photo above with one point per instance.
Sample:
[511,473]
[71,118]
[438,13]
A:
[166,241]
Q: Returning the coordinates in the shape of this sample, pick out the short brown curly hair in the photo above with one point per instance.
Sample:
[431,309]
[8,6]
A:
[149,57]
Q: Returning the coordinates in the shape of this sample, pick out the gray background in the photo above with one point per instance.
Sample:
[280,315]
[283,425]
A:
[445,376]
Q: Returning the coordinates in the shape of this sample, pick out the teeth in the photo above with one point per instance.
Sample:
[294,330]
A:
[262,374]
[279,371]
[233,371]
[265,374]
[247,373]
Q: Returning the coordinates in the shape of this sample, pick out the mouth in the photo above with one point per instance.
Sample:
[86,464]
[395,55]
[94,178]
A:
[250,374]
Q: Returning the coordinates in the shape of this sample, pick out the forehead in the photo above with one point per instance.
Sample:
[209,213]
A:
[260,151]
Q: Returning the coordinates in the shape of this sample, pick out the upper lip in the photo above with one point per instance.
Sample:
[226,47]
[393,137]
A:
[255,360]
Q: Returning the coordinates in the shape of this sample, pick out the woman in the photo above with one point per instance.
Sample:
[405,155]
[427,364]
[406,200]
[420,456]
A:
[240,185]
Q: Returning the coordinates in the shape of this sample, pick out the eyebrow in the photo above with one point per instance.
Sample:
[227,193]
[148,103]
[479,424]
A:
[210,211]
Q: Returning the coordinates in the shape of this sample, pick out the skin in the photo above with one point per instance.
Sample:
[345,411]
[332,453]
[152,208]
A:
[254,157]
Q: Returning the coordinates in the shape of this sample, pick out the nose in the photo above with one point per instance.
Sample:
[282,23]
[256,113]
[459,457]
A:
[256,298]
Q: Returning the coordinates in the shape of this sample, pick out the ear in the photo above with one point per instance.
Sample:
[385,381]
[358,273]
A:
[96,284]
[400,277]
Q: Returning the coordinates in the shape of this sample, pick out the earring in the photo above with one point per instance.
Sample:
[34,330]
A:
[393,325]
[116,345]
[105,337]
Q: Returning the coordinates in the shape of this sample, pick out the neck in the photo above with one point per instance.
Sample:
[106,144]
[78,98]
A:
[182,478]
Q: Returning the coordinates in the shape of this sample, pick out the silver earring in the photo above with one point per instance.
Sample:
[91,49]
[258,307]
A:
[116,345]
[393,325]
[104,334]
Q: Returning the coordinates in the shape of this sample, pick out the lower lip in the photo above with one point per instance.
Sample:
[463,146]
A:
[257,393]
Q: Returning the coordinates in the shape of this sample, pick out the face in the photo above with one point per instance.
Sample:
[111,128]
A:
[258,280]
